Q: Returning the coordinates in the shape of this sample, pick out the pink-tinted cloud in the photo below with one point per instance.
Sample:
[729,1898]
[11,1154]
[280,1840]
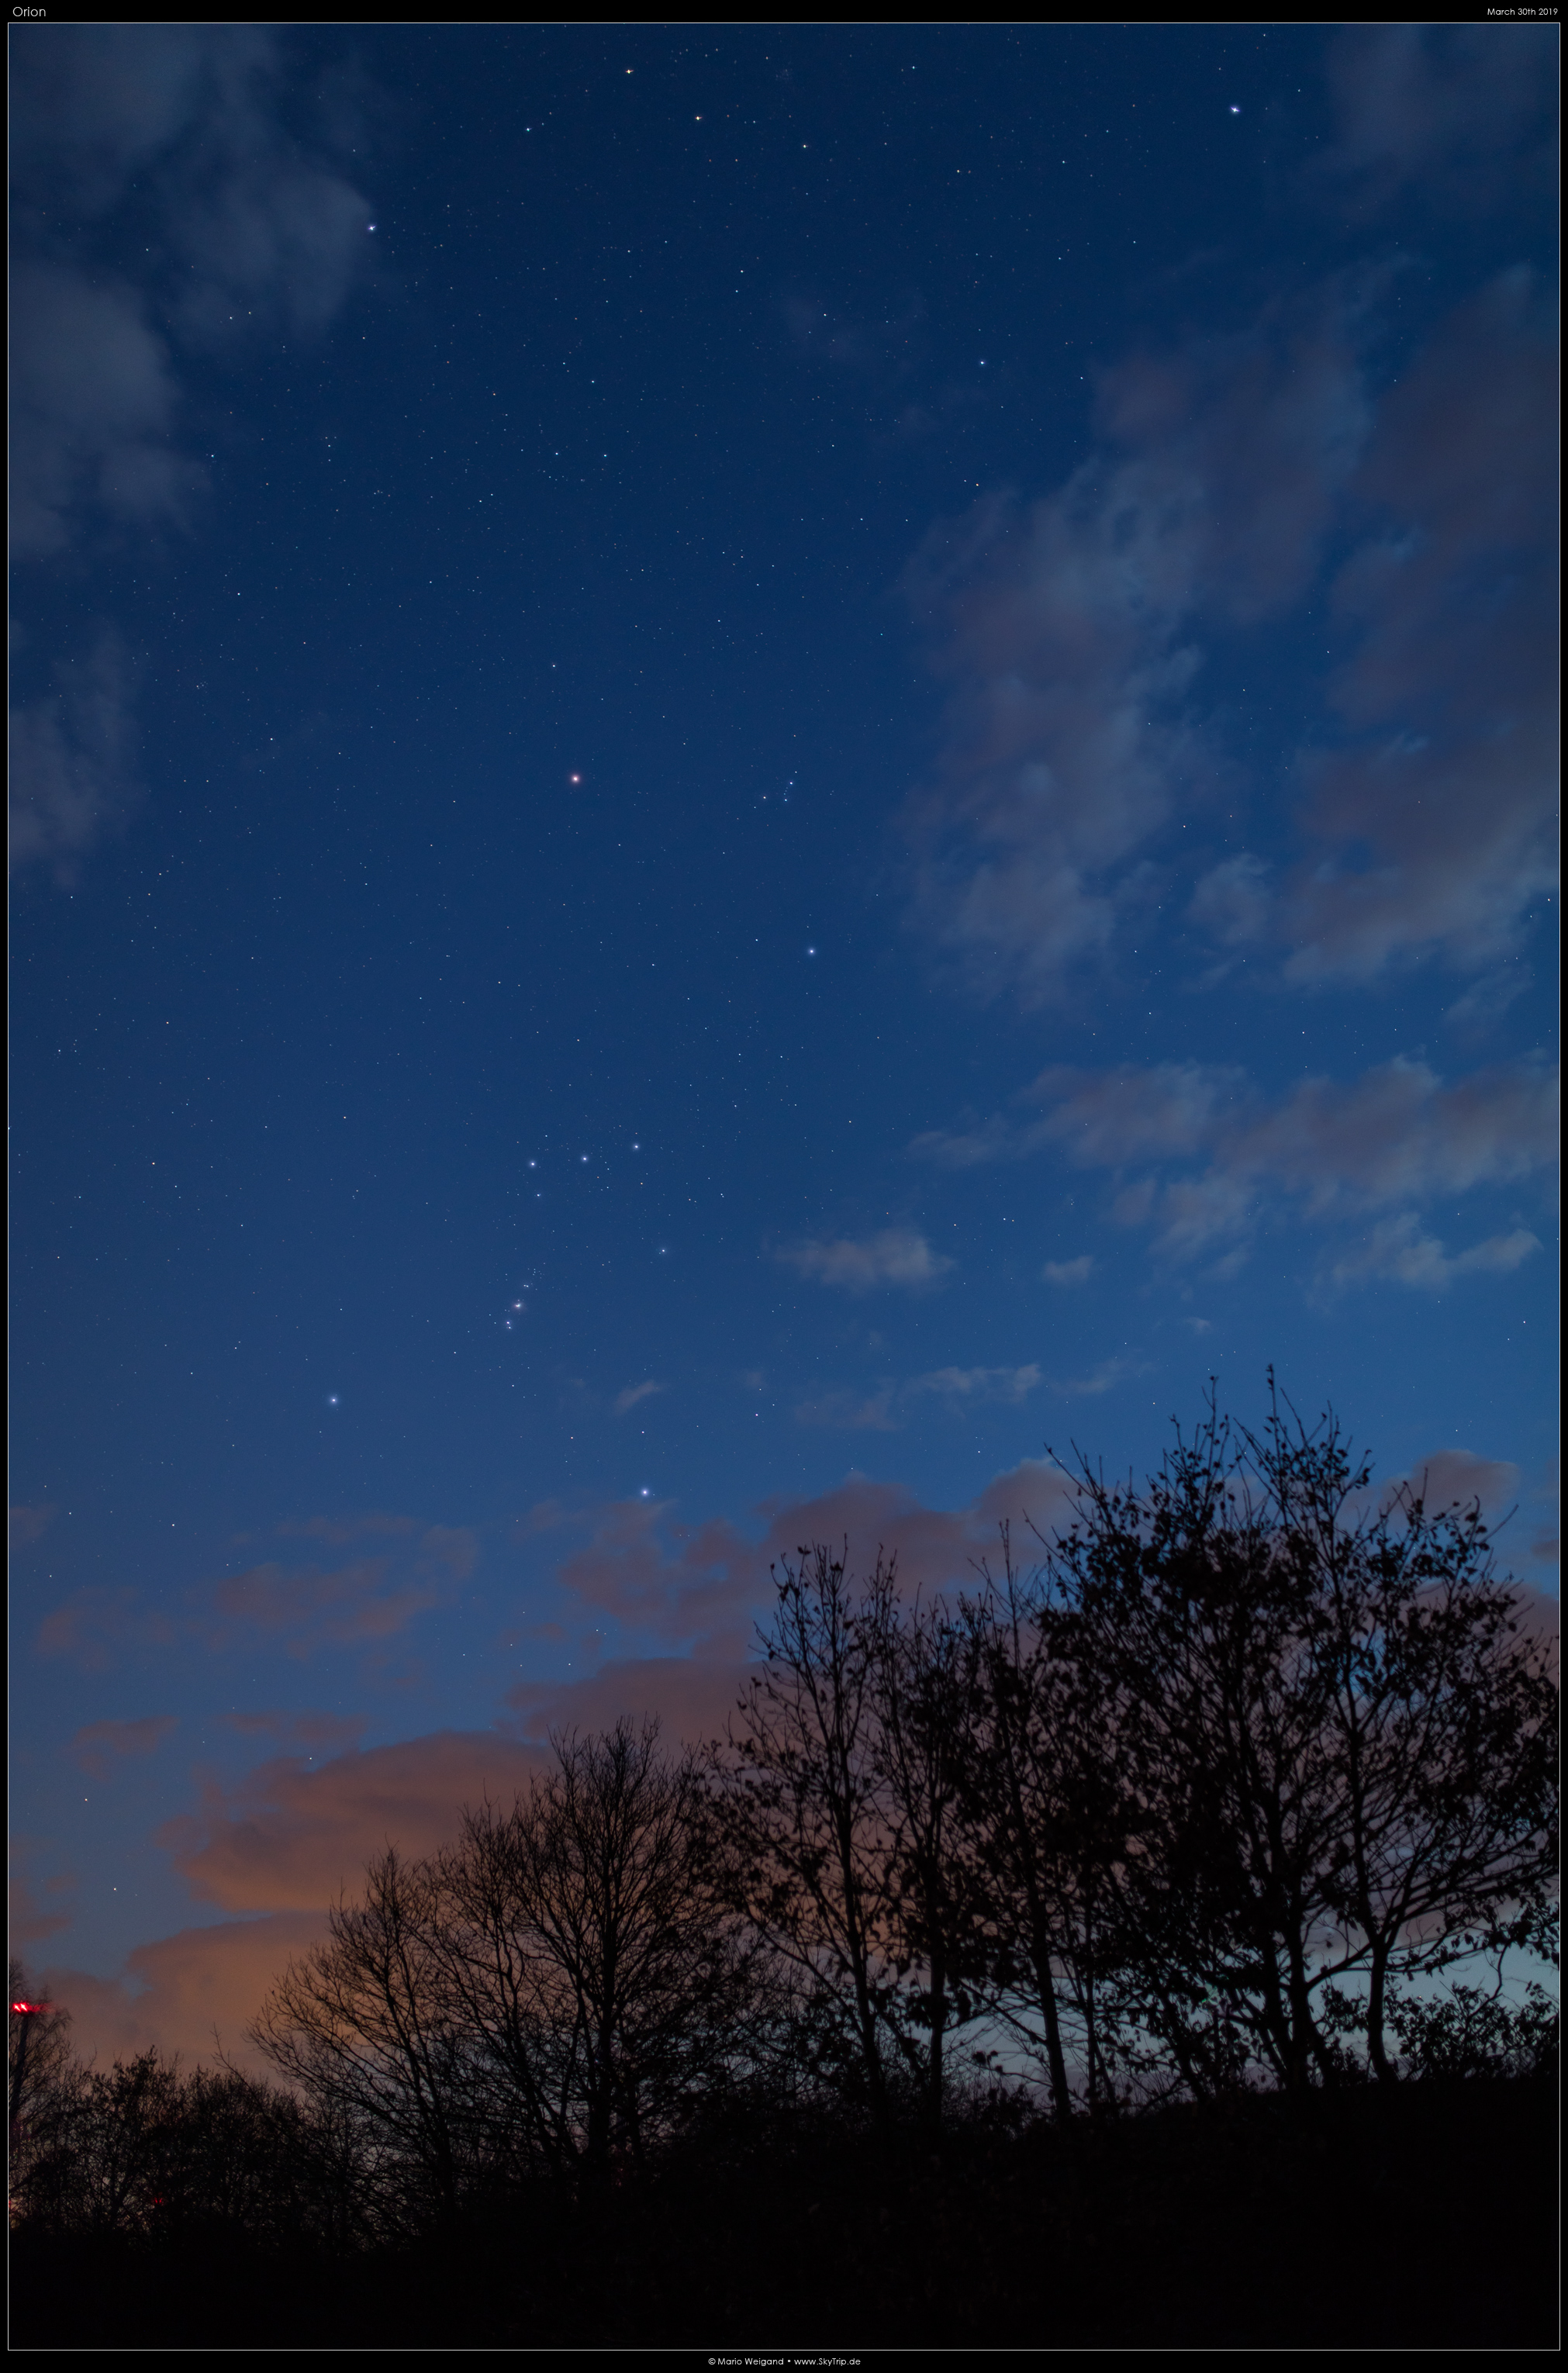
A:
[302,1609]
[29,1918]
[1450,1477]
[692,1697]
[707,1586]
[100,1744]
[291,1835]
[305,1609]
[633,1394]
[894,1257]
[93,1625]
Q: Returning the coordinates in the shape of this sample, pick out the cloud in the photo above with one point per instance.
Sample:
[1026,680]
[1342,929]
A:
[302,1608]
[1465,112]
[1089,758]
[340,1530]
[1399,1134]
[1068,634]
[290,1835]
[1111,1117]
[1434,819]
[1069,1273]
[629,1398]
[26,1526]
[706,1585]
[307,1729]
[1007,1386]
[29,1920]
[871,1412]
[692,1697]
[173,1994]
[894,1257]
[1450,1477]
[99,1742]
[1102,1379]
[864,347]
[1396,1248]
[165,144]
[308,1607]
[93,1623]
[72,771]
[1233,901]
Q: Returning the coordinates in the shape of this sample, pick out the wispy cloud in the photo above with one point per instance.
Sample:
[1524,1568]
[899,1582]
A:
[629,1398]
[242,232]
[1069,1273]
[1092,778]
[894,1257]
[100,1744]
[1397,1248]
[1006,1385]
[851,1411]
[1398,1135]
[26,1526]
[302,1609]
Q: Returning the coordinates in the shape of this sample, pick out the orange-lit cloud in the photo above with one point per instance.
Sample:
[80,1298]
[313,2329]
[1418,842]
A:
[191,1993]
[292,1836]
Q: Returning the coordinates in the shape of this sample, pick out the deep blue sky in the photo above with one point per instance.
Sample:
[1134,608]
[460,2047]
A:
[749,768]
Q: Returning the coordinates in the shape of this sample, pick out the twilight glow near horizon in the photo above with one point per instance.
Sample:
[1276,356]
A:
[750,767]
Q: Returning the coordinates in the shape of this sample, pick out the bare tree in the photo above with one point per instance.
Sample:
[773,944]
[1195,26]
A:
[925,1676]
[1440,1720]
[1336,1757]
[1047,1801]
[813,1838]
[365,2027]
[618,1961]
[43,2084]
[531,1997]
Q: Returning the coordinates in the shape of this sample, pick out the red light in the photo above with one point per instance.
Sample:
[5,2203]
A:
[30,2009]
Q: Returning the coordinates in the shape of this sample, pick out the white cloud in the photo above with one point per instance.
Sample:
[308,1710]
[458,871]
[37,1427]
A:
[1398,1135]
[629,1398]
[894,1257]
[1069,1273]
[1073,635]
[241,237]
[1397,1248]
[72,773]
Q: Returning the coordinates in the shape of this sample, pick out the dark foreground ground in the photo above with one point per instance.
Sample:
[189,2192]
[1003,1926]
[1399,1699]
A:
[1427,2219]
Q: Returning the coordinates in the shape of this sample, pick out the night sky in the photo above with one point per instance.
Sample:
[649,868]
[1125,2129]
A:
[750,767]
